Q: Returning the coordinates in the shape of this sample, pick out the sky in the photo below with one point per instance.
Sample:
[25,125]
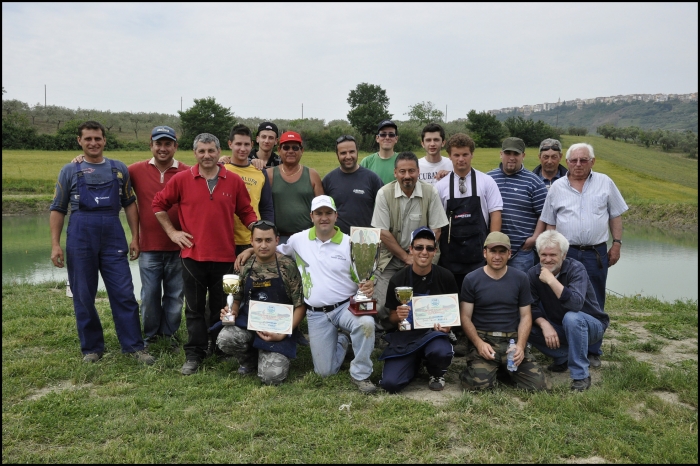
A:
[267,60]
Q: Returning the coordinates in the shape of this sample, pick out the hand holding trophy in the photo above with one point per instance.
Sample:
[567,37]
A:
[404,294]
[364,252]
[232,284]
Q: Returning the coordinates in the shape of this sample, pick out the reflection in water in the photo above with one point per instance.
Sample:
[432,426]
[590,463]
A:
[654,262]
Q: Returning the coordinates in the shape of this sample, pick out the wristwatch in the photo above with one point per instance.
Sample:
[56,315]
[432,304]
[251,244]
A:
[618,241]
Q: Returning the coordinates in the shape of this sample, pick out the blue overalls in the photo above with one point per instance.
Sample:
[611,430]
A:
[95,241]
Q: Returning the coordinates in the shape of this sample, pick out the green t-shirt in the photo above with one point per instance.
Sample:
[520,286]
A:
[382,167]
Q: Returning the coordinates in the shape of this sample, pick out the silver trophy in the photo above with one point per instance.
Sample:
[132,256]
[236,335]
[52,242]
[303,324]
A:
[404,294]
[232,285]
[364,252]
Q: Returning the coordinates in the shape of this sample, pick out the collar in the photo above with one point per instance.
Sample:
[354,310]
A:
[337,237]
[417,191]
[222,171]
[174,165]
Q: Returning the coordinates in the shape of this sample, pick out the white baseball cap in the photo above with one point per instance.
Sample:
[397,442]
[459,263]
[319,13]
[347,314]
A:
[323,201]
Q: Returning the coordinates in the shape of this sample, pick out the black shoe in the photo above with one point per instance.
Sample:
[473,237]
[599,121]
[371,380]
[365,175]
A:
[581,384]
[302,340]
[594,360]
[563,367]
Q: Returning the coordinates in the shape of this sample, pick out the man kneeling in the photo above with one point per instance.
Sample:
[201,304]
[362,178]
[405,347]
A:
[272,277]
[566,312]
[495,308]
[406,349]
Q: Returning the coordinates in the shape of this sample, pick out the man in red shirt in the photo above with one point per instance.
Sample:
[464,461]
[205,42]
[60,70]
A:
[209,196]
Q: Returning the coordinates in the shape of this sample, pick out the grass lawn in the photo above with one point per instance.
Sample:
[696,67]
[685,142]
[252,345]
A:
[642,407]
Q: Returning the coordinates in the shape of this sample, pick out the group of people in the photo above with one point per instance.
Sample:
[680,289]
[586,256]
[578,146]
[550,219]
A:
[500,240]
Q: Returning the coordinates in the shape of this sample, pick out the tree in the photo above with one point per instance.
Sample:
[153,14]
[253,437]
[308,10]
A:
[485,129]
[369,105]
[424,113]
[530,131]
[205,116]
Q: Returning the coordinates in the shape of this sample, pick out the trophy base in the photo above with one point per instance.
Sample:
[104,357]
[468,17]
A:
[228,322]
[363,308]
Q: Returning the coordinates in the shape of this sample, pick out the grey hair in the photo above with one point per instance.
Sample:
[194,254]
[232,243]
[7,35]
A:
[206,138]
[550,239]
[580,145]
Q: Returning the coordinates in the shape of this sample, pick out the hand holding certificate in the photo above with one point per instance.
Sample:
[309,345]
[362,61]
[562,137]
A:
[270,317]
[437,309]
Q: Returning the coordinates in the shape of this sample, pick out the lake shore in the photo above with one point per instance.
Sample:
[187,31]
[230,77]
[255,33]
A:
[671,216]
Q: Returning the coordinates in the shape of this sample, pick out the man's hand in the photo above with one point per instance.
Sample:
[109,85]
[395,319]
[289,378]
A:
[57,256]
[519,355]
[134,249]
[528,244]
[551,337]
[546,276]
[614,254]
[181,238]
[225,312]
[78,158]
[485,351]
[439,328]
[270,336]
[225,159]
[257,163]
[402,312]
[441,174]
[408,260]
[242,258]
[367,287]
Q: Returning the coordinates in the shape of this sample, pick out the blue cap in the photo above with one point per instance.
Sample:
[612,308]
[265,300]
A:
[385,123]
[427,232]
[163,132]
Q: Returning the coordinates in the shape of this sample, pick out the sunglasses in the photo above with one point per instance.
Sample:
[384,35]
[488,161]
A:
[462,187]
[343,138]
[555,147]
[387,135]
[420,248]
[264,222]
[290,147]
[579,161]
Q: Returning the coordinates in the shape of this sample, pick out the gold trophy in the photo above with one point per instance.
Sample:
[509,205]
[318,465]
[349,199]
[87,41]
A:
[404,294]
[232,284]
[364,254]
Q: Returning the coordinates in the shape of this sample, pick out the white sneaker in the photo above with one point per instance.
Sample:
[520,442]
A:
[436,384]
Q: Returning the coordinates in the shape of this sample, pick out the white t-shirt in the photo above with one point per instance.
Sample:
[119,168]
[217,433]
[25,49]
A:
[486,189]
[429,170]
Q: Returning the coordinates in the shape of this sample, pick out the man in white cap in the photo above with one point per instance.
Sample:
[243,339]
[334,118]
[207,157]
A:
[322,254]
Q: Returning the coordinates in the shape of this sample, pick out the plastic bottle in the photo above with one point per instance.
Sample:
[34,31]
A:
[510,353]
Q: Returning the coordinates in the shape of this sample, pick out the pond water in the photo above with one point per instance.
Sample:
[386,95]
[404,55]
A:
[654,262]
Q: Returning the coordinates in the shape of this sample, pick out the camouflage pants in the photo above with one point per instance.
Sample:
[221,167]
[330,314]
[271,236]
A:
[481,373]
[273,368]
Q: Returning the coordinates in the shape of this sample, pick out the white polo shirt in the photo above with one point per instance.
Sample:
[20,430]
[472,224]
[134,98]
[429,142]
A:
[324,266]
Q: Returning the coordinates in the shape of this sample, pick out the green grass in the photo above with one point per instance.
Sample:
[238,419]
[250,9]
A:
[57,409]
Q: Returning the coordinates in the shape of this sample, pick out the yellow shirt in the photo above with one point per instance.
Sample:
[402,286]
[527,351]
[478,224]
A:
[254,180]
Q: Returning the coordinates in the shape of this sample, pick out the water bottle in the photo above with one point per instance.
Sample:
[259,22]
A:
[510,353]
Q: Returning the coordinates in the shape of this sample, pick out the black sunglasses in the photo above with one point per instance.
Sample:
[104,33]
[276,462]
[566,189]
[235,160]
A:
[343,138]
[554,147]
[264,222]
[288,147]
[420,248]
[386,135]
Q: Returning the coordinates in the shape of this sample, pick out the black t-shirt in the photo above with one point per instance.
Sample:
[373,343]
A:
[496,302]
[273,161]
[438,281]
[354,195]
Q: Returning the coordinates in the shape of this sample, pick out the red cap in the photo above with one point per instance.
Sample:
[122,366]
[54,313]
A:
[290,136]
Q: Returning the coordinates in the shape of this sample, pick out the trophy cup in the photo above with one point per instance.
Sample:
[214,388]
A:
[404,294]
[232,284]
[364,253]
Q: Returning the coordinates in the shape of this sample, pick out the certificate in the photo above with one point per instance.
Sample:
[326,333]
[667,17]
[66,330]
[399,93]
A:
[270,317]
[440,309]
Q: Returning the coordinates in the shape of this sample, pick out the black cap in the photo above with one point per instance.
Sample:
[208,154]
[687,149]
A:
[268,126]
[386,123]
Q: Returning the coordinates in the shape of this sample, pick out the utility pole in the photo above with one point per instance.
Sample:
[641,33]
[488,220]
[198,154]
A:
[302,111]
[180,103]
[44,95]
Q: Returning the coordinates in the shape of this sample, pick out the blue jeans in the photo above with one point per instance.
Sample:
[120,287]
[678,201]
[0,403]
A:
[400,371]
[523,260]
[577,332]
[162,293]
[598,276]
[328,346]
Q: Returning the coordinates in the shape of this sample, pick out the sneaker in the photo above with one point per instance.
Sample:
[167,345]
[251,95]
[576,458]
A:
[594,360]
[452,337]
[92,357]
[143,357]
[302,340]
[563,367]
[189,368]
[436,384]
[581,384]
[365,386]
[243,370]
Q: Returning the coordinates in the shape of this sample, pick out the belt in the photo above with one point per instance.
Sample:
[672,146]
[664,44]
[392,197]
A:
[585,248]
[328,308]
[498,334]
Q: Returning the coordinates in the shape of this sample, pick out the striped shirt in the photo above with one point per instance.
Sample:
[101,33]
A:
[523,196]
[582,217]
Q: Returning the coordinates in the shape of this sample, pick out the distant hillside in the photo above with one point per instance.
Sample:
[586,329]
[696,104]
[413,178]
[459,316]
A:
[669,115]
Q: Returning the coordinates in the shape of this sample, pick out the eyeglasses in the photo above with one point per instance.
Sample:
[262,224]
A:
[387,135]
[343,138]
[579,161]
[420,248]
[462,187]
[288,147]
[555,147]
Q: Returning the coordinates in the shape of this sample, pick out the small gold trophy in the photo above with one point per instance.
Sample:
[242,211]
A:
[232,284]
[404,294]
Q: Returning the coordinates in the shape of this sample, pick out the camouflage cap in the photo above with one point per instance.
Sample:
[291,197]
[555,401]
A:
[551,143]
